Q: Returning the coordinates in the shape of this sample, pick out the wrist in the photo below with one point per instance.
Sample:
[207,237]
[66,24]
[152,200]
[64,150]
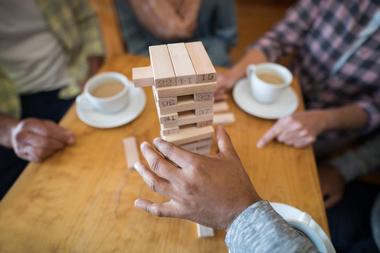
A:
[8,124]
[241,208]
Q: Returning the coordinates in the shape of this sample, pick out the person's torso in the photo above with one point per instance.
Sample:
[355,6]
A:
[332,34]
[30,54]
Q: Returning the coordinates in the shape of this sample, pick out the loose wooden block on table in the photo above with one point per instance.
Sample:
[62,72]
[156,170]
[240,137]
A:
[224,118]
[201,62]
[142,76]
[162,67]
[131,151]
[190,134]
[204,231]
[183,67]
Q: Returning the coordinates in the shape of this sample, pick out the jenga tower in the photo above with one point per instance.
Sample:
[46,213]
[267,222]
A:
[183,83]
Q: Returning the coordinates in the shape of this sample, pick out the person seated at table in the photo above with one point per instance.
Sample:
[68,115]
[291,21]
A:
[146,23]
[356,202]
[336,51]
[47,49]
[216,191]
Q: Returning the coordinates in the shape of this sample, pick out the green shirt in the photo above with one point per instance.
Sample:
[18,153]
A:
[75,26]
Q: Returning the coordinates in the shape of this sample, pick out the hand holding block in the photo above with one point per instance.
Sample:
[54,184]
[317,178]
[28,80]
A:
[131,152]
[142,76]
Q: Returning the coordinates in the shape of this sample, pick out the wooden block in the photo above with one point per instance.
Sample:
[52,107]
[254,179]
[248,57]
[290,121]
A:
[204,111]
[168,118]
[163,72]
[185,89]
[204,96]
[184,106]
[187,119]
[204,123]
[183,67]
[220,107]
[189,134]
[202,64]
[131,151]
[203,150]
[197,144]
[142,76]
[204,231]
[224,118]
[169,131]
[165,102]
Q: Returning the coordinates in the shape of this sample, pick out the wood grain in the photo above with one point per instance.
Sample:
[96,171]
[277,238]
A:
[81,199]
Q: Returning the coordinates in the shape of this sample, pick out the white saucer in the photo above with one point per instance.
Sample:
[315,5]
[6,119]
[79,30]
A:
[304,223]
[94,118]
[284,106]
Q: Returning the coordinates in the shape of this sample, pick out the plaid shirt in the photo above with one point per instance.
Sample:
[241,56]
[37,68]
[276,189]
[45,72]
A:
[75,26]
[319,32]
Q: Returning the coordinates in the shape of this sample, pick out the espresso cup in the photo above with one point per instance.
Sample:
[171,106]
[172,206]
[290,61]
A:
[264,91]
[105,104]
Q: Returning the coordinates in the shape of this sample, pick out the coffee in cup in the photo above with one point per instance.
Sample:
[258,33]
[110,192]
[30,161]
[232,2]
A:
[108,89]
[268,81]
[106,92]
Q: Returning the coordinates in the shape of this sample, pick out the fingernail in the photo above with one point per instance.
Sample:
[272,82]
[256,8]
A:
[157,141]
[143,145]
[138,203]
[71,140]
[259,144]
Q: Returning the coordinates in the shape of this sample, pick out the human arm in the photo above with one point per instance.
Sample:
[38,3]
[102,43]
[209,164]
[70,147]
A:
[344,168]
[217,192]
[33,139]
[302,128]
[284,38]
[153,15]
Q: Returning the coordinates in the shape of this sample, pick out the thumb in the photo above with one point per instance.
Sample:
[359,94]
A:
[224,143]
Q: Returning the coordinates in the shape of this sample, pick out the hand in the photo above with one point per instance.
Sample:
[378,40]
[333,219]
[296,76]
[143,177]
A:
[225,82]
[35,139]
[332,184]
[298,130]
[94,65]
[210,190]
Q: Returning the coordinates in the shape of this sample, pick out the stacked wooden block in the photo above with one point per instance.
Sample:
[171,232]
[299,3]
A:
[184,81]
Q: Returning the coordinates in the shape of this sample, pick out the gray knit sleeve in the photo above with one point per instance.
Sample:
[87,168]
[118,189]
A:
[260,229]
[361,161]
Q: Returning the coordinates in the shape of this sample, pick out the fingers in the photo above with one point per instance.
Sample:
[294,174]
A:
[159,164]
[50,129]
[332,200]
[175,154]
[154,182]
[224,143]
[269,135]
[166,209]
[42,142]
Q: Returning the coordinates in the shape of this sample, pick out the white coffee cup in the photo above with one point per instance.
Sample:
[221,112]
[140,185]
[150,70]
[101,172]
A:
[265,92]
[110,104]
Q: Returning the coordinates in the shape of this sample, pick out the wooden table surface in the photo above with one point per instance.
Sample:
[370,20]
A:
[81,199]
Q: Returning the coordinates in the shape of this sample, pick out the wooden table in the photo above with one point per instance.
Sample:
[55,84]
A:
[81,199]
